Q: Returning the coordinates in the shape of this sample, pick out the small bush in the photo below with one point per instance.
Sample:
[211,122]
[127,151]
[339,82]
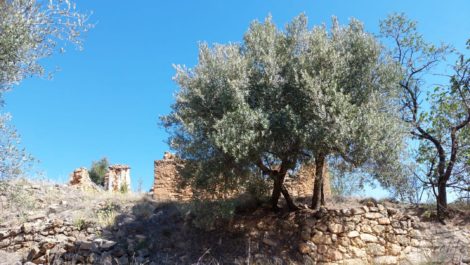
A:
[107,214]
[124,188]
[258,187]
[209,214]
[18,198]
[143,209]
[80,223]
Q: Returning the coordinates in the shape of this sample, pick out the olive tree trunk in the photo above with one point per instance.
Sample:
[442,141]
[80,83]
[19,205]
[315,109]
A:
[318,198]
[280,188]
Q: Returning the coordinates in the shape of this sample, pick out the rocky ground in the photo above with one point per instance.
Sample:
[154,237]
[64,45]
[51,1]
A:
[45,223]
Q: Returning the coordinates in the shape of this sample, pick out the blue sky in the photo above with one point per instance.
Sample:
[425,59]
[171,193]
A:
[106,100]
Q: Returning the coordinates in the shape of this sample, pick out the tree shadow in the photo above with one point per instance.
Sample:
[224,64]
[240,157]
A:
[162,232]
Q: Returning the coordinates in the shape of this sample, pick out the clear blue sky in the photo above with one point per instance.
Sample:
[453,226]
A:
[106,100]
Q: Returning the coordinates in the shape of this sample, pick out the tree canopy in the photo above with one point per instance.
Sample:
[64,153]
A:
[31,30]
[282,97]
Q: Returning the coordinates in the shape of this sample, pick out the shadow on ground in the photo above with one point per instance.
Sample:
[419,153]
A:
[163,233]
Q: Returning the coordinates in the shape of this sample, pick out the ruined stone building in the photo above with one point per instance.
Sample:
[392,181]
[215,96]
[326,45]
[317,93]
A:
[302,183]
[118,178]
[167,181]
[81,179]
[166,185]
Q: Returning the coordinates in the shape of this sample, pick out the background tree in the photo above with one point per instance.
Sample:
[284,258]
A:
[345,180]
[98,170]
[281,98]
[13,159]
[30,30]
[442,129]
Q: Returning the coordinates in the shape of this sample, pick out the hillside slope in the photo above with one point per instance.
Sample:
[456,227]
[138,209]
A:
[46,223]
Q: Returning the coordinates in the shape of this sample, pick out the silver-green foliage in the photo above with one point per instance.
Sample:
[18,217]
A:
[282,96]
[34,29]
[29,31]
[13,159]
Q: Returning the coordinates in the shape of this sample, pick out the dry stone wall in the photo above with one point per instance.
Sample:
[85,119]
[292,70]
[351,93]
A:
[361,235]
[301,185]
[379,235]
[167,181]
[55,241]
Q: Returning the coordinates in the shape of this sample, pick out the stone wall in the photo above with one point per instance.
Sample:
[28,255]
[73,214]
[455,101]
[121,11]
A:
[167,181]
[166,185]
[356,236]
[81,179]
[118,178]
[379,235]
[301,185]
[54,241]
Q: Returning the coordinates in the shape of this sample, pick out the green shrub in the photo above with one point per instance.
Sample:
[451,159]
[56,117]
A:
[98,170]
[107,214]
[258,187]
[209,214]
[80,223]
[124,188]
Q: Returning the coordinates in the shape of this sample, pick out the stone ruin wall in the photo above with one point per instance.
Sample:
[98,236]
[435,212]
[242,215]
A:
[166,185]
[81,179]
[167,181]
[302,184]
[117,177]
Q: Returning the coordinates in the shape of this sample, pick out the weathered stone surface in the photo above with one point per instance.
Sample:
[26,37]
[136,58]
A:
[118,178]
[304,248]
[321,239]
[368,238]
[333,255]
[167,185]
[305,234]
[375,249]
[269,242]
[353,234]
[335,228]
[357,211]
[383,221]
[355,262]
[394,249]
[386,260]
[373,215]
[378,229]
[81,179]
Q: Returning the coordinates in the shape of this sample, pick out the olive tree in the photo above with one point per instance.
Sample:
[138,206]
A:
[13,159]
[282,97]
[443,129]
[31,30]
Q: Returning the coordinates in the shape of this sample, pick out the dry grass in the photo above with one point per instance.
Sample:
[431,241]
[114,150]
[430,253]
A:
[7,258]
[20,199]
